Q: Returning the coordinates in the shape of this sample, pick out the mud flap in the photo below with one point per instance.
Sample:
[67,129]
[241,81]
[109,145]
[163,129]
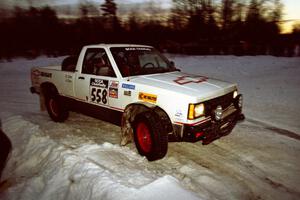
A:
[42,102]
[126,129]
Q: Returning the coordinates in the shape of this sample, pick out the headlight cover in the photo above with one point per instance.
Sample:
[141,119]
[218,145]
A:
[235,93]
[196,111]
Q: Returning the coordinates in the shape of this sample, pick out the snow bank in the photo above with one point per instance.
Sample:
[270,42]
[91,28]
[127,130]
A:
[41,168]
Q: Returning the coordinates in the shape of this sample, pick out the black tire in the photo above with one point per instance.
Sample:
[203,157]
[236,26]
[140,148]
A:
[150,139]
[56,110]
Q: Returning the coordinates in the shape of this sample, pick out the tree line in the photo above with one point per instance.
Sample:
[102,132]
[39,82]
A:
[192,27]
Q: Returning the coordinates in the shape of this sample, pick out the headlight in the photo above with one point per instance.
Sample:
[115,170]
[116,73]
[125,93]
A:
[218,113]
[196,110]
[238,102]
[235,93]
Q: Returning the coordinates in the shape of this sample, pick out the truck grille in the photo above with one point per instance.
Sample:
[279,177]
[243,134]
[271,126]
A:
[225,101]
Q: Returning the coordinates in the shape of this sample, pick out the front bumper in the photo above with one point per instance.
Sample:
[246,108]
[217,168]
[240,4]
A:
[210,128]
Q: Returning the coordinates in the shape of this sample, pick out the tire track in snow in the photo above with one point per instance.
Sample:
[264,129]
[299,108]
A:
[242,175]
[274,129]
[227,163]
[217,169]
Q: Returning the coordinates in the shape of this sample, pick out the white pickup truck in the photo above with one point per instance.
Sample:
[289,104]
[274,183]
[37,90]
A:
[136,87]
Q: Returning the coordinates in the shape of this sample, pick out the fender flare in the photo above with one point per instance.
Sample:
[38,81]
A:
[132,110]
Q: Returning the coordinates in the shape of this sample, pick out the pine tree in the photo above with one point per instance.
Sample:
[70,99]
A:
[109,8]
[227,13]
[111,21]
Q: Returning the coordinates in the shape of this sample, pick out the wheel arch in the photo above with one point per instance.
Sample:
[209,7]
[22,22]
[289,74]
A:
[129,116]
[46,88]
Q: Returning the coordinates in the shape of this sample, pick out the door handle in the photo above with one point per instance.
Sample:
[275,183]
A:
[81,77]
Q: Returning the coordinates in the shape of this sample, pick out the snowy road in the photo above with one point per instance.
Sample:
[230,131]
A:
[81,159]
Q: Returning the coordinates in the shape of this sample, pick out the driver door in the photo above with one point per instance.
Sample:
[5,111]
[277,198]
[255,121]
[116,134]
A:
[93,83]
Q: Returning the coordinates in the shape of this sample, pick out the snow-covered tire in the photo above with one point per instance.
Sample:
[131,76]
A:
[150,139]
[56,110]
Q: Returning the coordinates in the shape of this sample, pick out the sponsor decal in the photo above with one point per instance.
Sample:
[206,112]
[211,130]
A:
[46,74]
[99,83]
[113,93]
[36,72]
[178,114]
[68,78]
[35,76]
[114,84]
[127,93]
[182,80]
[147,97]
[128,86]
[138,48]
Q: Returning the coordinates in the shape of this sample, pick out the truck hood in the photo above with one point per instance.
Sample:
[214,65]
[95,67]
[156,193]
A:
[188,84]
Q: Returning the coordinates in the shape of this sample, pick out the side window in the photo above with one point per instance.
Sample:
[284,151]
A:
[96,62]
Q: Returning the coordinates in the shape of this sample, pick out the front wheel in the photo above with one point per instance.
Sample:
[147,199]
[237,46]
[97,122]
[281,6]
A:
[150,138]
[55,109]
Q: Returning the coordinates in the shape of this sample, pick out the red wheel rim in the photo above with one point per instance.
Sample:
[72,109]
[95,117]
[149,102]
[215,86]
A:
[144,137]
[53,107]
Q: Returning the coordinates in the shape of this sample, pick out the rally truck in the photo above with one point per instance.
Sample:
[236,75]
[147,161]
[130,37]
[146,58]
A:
[139,89]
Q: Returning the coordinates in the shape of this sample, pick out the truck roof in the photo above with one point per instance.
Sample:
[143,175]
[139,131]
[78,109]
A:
[116,45]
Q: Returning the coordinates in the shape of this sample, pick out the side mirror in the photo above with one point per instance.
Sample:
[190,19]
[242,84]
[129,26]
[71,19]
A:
[172,64]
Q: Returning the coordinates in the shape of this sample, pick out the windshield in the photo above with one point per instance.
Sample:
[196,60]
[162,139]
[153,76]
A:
[134,61]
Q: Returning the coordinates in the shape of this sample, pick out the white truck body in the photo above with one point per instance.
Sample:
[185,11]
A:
[171,91]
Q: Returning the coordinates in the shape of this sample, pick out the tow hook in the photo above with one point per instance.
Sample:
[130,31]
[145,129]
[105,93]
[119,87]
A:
[241,117]
[32,90]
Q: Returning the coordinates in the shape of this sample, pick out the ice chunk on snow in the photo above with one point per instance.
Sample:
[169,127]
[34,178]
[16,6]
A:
[166,187]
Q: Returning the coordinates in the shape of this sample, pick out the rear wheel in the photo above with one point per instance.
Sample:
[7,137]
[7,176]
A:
[150,138]
[56,110]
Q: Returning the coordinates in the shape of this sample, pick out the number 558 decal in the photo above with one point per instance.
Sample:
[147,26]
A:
[98,91]
[98,95]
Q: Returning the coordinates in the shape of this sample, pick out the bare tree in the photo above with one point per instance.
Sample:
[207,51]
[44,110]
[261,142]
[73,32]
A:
[255,9]
[276,13]
[240,11]
[179,14]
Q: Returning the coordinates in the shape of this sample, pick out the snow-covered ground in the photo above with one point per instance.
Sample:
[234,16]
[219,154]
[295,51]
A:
[81,158]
